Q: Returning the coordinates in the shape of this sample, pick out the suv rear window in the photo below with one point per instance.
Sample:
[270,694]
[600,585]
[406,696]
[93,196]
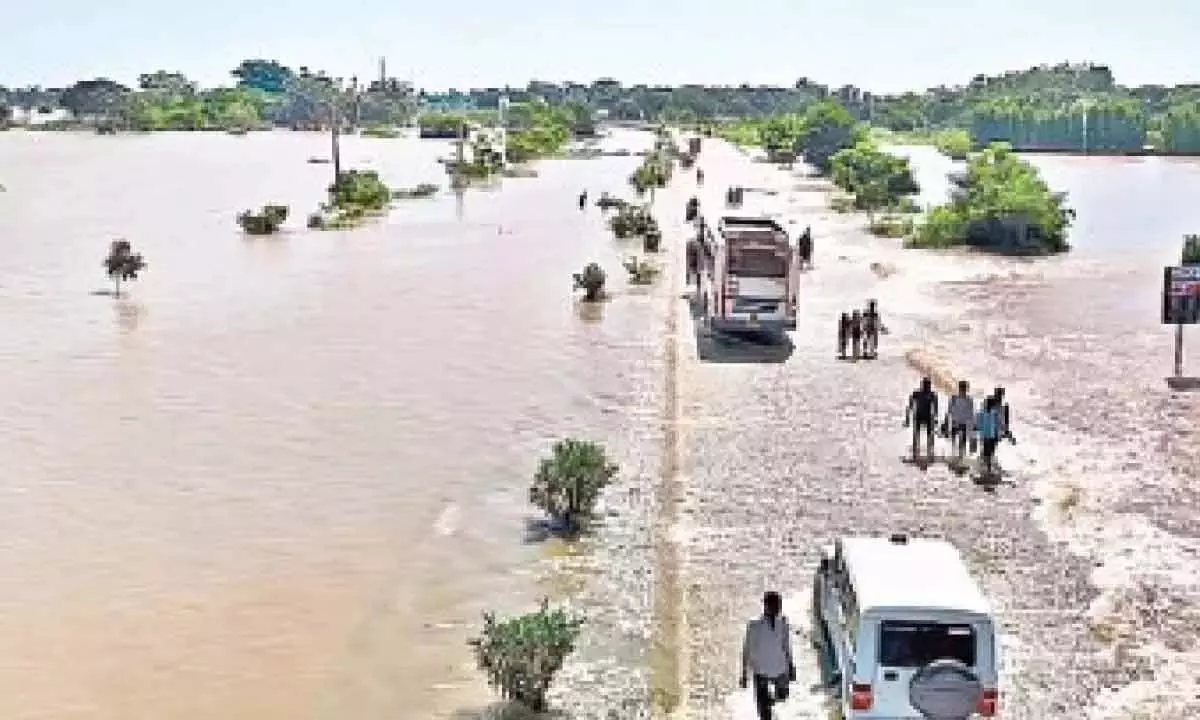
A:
[916,644]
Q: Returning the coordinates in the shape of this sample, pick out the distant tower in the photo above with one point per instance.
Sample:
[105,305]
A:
[382,72]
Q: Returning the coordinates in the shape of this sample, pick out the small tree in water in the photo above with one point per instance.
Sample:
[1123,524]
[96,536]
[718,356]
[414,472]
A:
[591,282]
[521,655]
[569,482]
[122,264]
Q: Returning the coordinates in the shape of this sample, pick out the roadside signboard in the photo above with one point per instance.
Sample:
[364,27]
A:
[1181,295]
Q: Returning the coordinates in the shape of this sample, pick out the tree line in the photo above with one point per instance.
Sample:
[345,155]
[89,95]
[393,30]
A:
[1000,203]
[1062,107]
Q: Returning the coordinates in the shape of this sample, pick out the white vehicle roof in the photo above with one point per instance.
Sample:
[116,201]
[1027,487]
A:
[917,574]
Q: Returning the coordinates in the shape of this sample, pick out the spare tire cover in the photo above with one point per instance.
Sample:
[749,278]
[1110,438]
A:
[945,690]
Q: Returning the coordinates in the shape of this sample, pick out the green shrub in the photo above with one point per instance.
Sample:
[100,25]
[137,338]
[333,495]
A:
[521,655]
[569,482]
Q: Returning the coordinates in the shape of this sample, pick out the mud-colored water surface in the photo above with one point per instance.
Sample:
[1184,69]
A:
[282,478]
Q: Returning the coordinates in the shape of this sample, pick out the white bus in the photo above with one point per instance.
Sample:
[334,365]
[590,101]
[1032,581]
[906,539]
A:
[903,624]
[749,277]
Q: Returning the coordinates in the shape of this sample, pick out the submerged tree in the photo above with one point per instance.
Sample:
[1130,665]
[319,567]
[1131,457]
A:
[569,482]
[591,282]
[122,264]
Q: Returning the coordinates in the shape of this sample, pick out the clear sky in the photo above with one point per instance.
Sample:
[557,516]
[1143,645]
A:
[879,45]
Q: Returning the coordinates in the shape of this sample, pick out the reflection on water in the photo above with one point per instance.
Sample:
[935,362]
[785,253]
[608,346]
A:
[284,475]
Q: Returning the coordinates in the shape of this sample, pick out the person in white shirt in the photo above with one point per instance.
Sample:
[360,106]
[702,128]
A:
[960,419]
[767,656]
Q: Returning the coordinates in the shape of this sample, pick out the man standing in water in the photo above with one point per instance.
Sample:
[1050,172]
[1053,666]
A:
[871,328]
[1005,417]
[920,414]
[960,418]
[767,656]
[843,334]
[856,333]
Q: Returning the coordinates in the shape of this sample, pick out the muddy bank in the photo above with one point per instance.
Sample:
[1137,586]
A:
[780,457]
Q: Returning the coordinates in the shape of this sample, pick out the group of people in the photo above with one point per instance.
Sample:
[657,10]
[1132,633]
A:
[966,429]
[858,333]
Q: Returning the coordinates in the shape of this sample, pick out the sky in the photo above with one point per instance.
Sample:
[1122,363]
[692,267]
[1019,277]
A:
[879,45]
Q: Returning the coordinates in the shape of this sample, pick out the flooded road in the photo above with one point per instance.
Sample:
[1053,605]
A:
[1089,553]
[283,477]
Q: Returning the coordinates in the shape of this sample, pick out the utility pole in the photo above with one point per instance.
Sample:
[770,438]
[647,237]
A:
[335,144]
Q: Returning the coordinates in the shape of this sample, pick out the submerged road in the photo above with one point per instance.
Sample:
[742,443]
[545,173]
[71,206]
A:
[783,452]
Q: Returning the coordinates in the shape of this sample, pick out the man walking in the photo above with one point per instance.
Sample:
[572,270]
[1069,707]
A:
[871,329]
[987,423]
[920,414]
[767,656]
[960,419]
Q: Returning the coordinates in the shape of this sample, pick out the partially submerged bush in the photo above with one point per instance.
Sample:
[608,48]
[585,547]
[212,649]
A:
[359,189]
[122,264]
[266,221]
[521,655]
[591,282]
[353,197]
[631,221]
[652,239]
[423,190]
[641,272]
[569,482]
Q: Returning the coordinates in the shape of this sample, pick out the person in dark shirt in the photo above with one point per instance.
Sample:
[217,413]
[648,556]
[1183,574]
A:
[871,329]
[843,334]
[856,333]
[920,414]
[805,248]
[583,196]
[693,261]
[1005,416]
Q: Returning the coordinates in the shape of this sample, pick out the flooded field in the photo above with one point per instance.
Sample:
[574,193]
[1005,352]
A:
[285,475]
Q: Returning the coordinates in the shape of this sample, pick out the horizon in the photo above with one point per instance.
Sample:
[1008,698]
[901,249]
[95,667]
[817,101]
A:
[366,77]
[869,44]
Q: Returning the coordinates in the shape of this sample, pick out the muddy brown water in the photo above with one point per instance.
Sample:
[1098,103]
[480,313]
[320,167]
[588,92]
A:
[283,477]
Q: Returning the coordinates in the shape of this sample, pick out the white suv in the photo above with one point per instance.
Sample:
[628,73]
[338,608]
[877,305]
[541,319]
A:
[906,631]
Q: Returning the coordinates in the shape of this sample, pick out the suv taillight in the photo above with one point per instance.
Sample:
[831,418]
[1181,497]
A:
[987,702]
[860,697]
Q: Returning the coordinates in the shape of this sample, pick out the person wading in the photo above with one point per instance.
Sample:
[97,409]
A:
[693,261]
[856,333]
[960,419]
[843,334]
[804,247]
[871,329]
[920,414]
[1005,416]
[767,656]
[987,424]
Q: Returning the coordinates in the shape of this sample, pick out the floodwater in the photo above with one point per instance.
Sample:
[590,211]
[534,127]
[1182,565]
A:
[284,475]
